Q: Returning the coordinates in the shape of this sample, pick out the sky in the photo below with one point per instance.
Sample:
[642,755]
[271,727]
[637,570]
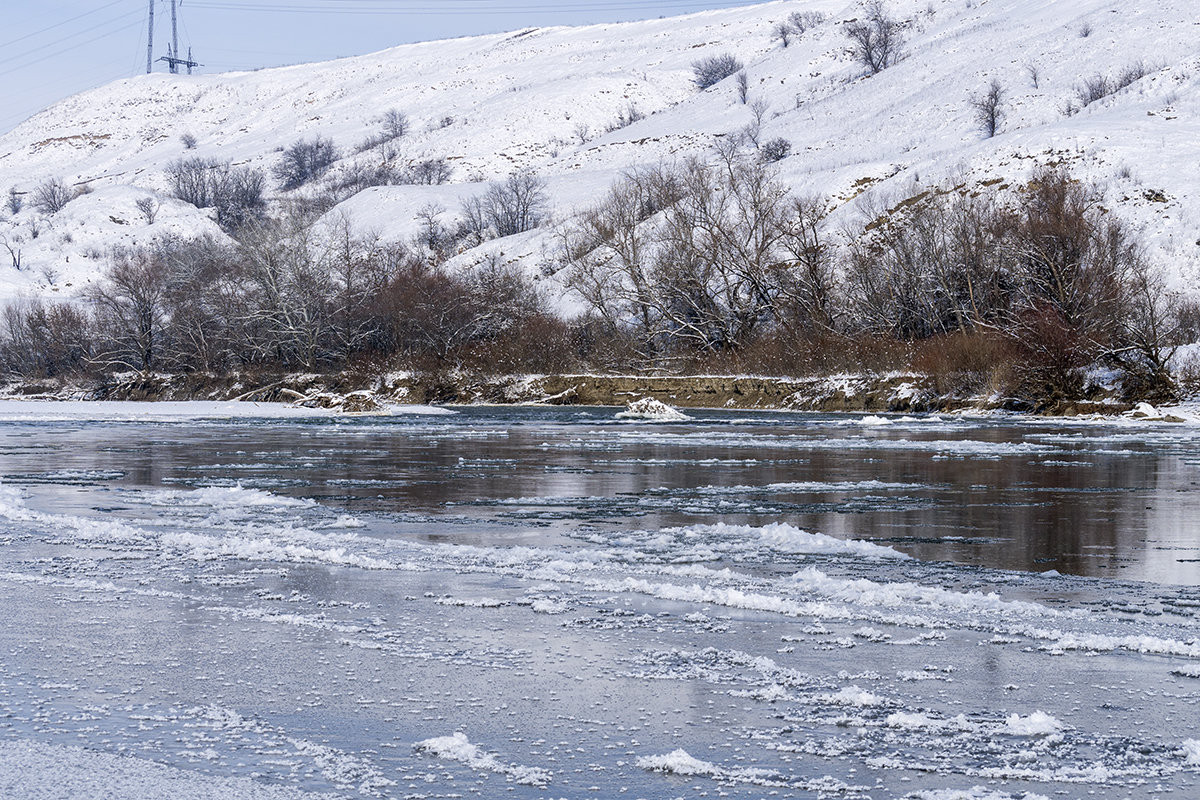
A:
[51,49]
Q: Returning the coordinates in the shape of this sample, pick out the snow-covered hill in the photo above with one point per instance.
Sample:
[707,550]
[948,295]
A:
[542,99]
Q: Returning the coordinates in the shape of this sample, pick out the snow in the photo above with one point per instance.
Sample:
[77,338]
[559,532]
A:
[36,771]
[541,99]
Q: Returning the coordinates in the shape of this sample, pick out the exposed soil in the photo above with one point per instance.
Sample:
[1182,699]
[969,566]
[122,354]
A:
[360,392]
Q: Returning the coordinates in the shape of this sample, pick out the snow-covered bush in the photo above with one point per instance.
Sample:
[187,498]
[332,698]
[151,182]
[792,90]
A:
[775,150]
[714,69]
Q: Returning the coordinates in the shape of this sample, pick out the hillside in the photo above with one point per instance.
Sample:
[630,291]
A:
[541,99]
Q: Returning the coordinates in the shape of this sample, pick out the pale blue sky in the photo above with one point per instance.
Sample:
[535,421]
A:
[50,49]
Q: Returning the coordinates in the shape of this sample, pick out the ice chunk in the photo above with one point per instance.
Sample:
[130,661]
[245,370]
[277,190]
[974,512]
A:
[651,410]
[1039,723]
[459,748]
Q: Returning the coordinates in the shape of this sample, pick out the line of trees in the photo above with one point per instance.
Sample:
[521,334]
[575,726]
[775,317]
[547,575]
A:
[689,265]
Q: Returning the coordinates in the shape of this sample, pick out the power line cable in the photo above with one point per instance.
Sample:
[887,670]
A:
[25,36]
[90,29]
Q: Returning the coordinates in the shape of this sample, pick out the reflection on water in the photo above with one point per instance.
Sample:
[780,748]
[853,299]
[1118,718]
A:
[1080,498]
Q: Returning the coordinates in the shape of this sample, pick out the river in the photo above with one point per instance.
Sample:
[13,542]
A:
[558,602]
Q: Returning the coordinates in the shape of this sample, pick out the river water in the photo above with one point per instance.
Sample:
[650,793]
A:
[562,603]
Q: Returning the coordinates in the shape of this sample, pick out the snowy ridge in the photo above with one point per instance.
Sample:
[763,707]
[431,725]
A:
[541,99]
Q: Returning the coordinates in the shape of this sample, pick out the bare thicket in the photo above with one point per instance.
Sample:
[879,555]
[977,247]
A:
[236,193]
[429,171]
[877,41]
[714,69]
[51,196]
[516,205]
[989,109]
[44,340]
[304,161]
[689,254]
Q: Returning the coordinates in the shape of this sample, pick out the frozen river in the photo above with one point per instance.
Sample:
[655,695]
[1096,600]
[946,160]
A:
[557,603]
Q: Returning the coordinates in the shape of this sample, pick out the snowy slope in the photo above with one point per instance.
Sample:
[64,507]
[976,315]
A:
[541,99]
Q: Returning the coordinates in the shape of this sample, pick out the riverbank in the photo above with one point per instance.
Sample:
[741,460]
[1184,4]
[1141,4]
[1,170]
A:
[363,392]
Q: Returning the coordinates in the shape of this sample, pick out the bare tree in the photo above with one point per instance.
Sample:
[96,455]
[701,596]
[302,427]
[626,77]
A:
[15,202]
[148,208]
[51,196]
[395,124]
[188,140]
[783,32]
[516,205]
[237,193]
[989,109]
[876,42]
[130,307]
[743,86]
[714,69]
[14,250]
[1031,69]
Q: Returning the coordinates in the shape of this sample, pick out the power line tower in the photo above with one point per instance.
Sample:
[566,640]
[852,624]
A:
[174,62]
[150,42]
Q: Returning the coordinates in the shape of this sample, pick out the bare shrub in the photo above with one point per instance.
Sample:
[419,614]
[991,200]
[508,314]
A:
[1034,74]
[1092,89]
[714,69]
[877,41]
[15,201]
[188,141]
[743,86]
[1085,30]
[989,109]
[304,161]
[774,150]
[52,196]
[625,117]
[803,21]
[13,248]
[1131,74]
